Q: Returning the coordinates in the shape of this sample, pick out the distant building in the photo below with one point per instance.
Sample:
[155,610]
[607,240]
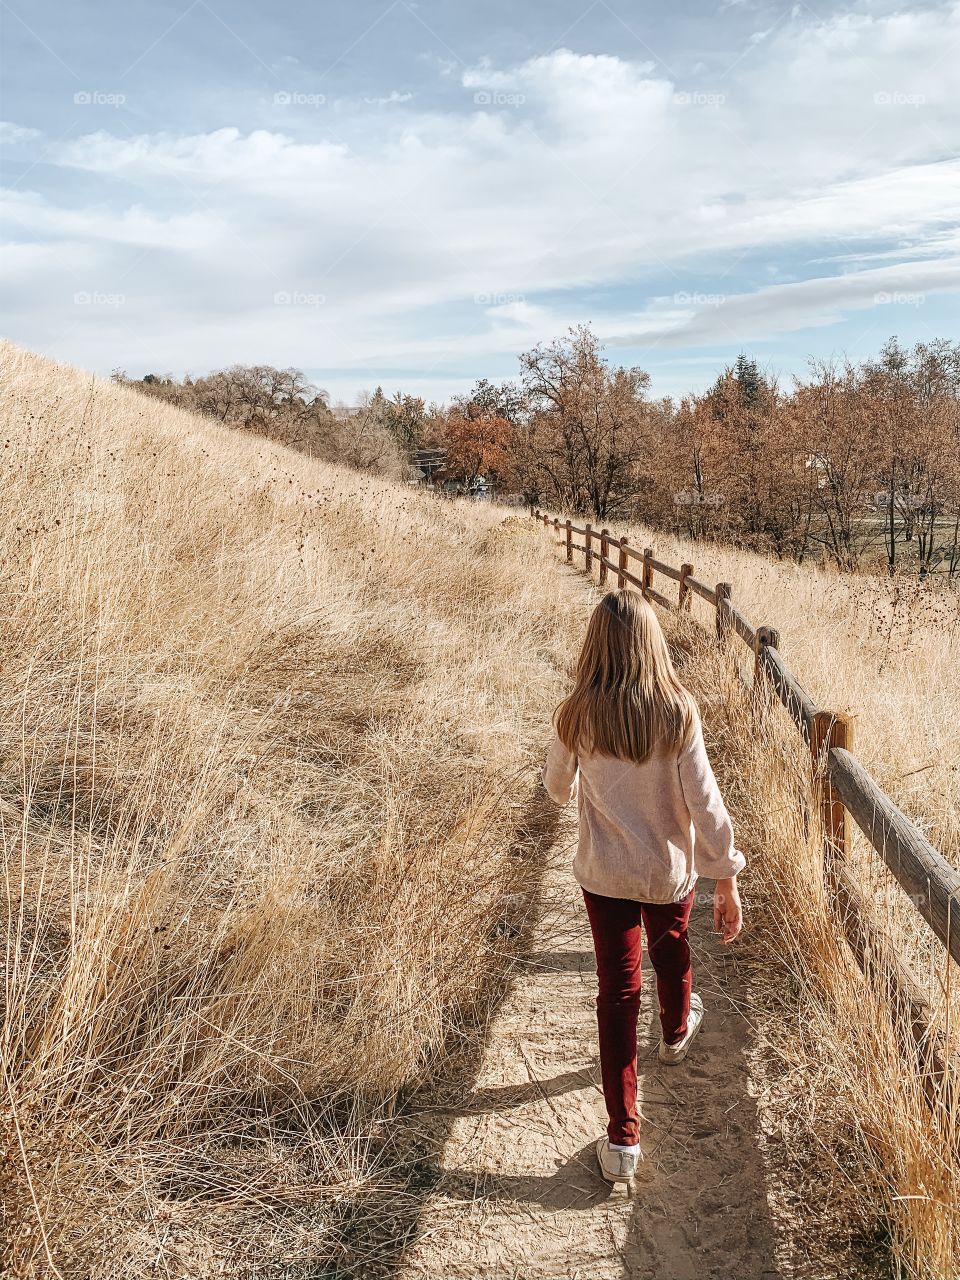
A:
[432,467]
[691,498]
[431,462]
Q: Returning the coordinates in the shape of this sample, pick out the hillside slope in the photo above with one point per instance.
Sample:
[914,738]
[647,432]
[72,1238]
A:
[866,1161]
[883,650]
[266,732]
[274,855]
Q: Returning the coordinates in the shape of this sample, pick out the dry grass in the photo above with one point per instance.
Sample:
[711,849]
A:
[869,1165]
[884,651]
[265,732]
[871,1161]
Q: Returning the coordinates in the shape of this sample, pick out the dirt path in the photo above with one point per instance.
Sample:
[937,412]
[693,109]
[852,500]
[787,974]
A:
[517,1194]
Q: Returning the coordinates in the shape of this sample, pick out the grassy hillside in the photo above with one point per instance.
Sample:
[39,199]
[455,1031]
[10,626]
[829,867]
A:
[849,1121]
[885,651]
[266,741]
[268,736]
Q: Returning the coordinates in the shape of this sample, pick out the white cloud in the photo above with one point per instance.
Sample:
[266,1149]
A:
[224,155]
[567,172]
[786,307]
[12,134]
[390,99]
[133,225]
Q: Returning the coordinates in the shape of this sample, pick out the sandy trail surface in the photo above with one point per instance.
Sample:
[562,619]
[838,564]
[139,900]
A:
[517,1192]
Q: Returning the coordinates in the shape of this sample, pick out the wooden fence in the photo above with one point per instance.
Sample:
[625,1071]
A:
[843,789]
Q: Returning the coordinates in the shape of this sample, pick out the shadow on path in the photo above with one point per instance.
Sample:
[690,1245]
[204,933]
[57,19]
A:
[498,1156]
[517,1184]
[384,1226]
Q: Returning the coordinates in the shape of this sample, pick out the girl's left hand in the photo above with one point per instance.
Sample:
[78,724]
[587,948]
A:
[727,910]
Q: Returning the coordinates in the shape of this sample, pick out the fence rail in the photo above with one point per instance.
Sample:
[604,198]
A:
[843,786]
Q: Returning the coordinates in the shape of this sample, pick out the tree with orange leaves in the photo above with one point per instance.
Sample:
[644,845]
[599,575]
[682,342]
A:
[478,441]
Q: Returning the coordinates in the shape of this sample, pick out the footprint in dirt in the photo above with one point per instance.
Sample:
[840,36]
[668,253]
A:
[699,1073]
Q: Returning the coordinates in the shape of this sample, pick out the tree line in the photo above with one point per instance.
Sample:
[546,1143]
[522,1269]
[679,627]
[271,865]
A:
[858,463]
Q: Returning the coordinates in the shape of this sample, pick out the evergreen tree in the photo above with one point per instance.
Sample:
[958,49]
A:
[379,407]
[750,381]
[404,418]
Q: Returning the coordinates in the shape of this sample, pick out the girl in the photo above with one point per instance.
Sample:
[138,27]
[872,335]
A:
[651,820]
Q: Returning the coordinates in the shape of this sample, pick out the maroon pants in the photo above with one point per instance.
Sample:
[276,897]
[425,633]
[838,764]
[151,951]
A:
[615,923]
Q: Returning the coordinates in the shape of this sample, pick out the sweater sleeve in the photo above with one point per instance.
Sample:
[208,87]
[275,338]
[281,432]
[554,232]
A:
[714,852]
[559,774]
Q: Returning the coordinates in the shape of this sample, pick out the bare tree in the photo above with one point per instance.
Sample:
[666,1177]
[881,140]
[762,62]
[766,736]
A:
[583,440]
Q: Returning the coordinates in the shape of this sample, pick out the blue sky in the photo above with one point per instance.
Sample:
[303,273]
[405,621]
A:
[413,193]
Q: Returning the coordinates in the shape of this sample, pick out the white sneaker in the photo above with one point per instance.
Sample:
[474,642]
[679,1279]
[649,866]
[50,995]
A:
[674,1053]
[616,1166]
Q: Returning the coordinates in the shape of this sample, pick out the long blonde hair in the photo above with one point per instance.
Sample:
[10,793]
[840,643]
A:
[627,697]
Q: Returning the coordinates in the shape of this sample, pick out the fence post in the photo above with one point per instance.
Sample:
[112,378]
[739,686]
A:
[588,546]
[622,564]
[724,591]
[569,542]
[604,553]
[556,527]
[647,572]
[767,638]
[685,593]
[830,729]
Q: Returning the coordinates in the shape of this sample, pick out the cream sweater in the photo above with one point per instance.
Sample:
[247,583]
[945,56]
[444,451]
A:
[646,830]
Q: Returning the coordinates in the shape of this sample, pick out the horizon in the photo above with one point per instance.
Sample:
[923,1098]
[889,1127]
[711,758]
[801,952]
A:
[408,195]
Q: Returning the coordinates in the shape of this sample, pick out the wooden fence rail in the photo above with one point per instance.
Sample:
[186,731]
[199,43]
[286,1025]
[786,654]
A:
[843,787]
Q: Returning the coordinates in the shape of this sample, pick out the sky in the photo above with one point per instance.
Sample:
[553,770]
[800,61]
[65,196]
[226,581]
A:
[412,194]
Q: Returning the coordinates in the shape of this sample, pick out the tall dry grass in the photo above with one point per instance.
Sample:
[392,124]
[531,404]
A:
[266,737]
[872,1164]
[883,650]
[266,731]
